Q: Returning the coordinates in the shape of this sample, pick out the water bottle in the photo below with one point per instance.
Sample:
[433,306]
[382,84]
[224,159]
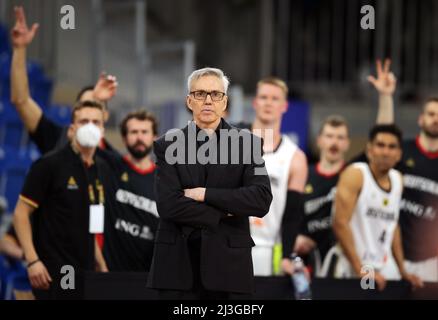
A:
[299,279]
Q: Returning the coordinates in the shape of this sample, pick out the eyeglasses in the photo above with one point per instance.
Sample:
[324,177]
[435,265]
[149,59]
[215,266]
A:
[202,95]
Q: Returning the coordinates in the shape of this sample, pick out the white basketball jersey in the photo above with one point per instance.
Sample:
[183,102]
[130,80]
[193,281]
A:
[375,217]
[265,231]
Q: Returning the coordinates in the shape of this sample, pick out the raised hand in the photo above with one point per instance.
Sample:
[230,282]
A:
[105,88]
[21,35]
[386,82]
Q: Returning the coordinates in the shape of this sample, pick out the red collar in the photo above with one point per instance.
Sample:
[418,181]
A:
[327,175]
[102,144]
[429,154]
[137,169]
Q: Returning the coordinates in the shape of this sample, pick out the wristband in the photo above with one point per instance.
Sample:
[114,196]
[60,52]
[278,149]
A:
[30,264]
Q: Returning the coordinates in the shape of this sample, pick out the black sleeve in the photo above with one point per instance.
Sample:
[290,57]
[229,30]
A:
[292,219]
[36,184]
[303,228]
[47,134]
[172,205]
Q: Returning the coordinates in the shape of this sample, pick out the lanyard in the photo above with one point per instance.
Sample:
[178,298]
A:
[99,188]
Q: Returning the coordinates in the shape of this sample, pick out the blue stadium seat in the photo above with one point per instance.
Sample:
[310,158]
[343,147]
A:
[11,127]
[13,276]
[13,179]
[3,273]
[5,62]
[60,114]
[41,91]
[5,46]
[12,131]
[40,86]
[15,165]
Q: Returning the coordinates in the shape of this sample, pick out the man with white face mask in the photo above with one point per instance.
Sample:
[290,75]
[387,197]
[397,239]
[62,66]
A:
[64,194]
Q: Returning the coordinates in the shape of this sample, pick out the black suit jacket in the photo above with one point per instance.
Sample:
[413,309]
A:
[233,193]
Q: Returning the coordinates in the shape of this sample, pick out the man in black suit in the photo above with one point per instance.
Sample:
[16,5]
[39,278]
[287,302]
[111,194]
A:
[210,178]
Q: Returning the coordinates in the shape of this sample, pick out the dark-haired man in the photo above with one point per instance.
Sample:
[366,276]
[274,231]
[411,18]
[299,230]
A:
[333,142]
[419,206]
[367,208]
[131,227]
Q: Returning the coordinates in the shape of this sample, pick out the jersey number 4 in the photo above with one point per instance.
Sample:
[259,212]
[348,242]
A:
[382,236]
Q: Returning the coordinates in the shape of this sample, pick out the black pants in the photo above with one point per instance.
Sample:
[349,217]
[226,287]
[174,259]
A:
[198,291]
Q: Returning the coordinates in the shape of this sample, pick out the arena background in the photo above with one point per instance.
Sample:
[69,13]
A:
[317,46]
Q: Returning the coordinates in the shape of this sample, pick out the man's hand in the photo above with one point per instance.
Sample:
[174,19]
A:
[105,88]
[39,276]
[414,280]
[386,82]
[21,35]
[288,268]
[197,194]
[380,281]
[303,245]
[101,267]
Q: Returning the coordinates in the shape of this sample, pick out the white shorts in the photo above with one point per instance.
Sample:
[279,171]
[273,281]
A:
[427,270]
[390,269]
[343,268]
[262,261]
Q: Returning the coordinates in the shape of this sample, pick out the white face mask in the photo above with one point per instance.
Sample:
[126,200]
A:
[88,135]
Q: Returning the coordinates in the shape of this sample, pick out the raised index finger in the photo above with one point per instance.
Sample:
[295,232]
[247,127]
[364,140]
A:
[387,65]
[379,67]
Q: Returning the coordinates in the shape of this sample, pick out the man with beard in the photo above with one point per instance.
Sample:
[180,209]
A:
[316,230]
[316,235]
[367,208]
[419,208]
[130,229]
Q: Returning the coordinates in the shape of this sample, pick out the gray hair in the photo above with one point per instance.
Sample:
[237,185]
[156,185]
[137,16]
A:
[208,72]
